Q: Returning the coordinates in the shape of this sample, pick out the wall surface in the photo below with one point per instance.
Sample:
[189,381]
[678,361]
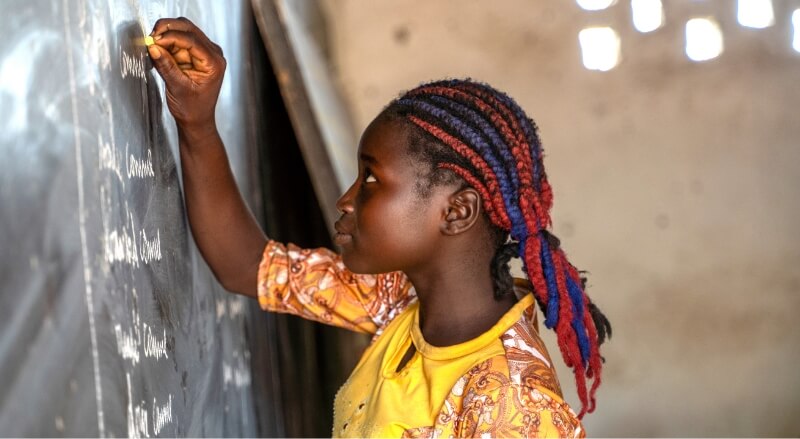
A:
[675,186]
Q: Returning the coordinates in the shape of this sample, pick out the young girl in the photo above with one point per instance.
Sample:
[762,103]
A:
[450,187]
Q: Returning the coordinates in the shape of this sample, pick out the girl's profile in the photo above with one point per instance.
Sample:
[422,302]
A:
[451,185]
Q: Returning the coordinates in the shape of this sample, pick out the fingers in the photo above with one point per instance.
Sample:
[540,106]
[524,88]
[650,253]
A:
[183,24]
[166,66]
[188,48]
[167,24]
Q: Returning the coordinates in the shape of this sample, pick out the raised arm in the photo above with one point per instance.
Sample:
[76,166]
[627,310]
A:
[226,233]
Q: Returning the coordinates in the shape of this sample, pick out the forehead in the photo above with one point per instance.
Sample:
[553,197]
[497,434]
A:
[386,140]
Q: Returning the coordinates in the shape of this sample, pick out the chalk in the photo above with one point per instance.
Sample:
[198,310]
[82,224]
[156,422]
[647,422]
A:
[145,41]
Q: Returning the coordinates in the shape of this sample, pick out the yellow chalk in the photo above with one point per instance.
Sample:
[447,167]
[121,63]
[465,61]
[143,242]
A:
[148,41]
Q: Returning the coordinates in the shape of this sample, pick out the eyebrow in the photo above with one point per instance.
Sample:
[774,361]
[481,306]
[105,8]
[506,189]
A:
[368,158]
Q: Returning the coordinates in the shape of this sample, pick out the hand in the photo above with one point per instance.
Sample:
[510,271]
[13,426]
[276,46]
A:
[192,67]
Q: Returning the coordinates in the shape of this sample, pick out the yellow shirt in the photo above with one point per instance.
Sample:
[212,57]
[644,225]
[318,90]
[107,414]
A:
[500,384]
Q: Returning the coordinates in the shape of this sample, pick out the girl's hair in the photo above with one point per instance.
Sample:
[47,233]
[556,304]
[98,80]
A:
[470,130]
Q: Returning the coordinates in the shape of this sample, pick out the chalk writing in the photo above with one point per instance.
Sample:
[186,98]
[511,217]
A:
[237,373]
[108,157]
[236,306]
[139,419]
[140,167]
[154,347]
[231,307]
[140,338]
[131,65]
[162,415]
[123,244]
[221,307]
[150,248]
[120,246]
[137,415]
[126,344]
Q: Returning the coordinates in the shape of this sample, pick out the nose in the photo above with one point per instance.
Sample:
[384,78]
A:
[345,203]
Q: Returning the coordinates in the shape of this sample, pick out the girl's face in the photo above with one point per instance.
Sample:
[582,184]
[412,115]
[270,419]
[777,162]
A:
[385,224]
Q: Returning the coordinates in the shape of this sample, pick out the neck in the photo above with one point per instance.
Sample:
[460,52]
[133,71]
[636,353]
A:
[456,300]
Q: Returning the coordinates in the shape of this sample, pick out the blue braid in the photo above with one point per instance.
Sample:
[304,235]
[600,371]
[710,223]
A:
[551,316]
[518,228]
[576,295]
[500,148]
[530,134]
[465,131]
[524,121]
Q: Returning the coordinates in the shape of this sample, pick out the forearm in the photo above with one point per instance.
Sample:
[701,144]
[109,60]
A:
[223,227]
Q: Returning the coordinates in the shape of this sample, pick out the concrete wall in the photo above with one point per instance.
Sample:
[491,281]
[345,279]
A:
[676,186]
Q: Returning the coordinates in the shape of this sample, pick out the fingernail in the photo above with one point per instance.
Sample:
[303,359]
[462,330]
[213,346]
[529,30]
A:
[157,37]
[154,52]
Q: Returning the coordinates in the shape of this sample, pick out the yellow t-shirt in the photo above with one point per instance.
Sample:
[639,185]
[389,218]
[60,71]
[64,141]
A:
[500,384]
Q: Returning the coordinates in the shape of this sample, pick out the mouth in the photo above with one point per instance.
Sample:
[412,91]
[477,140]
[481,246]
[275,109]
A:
[342,238]
[342,235]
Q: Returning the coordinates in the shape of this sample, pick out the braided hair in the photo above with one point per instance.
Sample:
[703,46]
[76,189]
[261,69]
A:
[469,130]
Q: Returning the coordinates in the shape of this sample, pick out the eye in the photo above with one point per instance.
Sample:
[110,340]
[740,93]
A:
[368,177]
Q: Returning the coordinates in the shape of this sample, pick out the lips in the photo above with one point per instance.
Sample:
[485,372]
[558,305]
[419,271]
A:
[343,233]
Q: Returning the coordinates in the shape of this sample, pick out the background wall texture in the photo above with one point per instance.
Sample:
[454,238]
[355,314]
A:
[676,187]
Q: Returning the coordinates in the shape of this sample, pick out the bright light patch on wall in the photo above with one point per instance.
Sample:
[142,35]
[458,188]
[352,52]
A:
[796,26]
[595,5]
[648,15]
[755,13]
[599,48]
[703,39]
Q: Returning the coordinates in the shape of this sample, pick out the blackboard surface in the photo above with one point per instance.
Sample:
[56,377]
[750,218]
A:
[110,322]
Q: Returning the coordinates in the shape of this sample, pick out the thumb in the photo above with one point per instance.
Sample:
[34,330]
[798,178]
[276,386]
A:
[166,66]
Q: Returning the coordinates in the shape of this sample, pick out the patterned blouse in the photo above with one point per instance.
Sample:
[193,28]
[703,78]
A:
[500,384]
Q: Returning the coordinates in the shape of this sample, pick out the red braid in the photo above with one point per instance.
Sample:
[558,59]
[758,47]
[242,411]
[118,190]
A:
[497,120]
[477,161]
[594,369]
[495,216]
[566,332]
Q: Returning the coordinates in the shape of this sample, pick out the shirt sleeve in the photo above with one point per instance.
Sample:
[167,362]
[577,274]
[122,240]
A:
[515,410]
[315,284]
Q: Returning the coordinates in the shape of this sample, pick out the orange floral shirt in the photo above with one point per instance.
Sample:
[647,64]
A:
[510,391]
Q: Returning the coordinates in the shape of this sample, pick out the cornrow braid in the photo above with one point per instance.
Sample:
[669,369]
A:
[474,132]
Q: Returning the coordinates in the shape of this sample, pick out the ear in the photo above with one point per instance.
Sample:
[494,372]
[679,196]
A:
[462,211]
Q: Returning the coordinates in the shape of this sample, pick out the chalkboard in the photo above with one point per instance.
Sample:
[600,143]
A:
[110,322]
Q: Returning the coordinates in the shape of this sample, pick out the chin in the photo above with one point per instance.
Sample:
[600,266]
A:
[355,266]
[359,265]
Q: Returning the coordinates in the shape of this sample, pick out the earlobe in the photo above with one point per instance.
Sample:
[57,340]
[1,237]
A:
[463,210]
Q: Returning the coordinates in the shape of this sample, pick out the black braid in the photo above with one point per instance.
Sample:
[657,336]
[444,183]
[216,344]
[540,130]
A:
[600,322]
[501,275]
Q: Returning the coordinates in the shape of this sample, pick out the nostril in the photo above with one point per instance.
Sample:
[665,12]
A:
[343,208]
[343,205]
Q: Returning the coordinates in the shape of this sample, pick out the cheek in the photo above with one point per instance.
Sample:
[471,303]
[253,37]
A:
[397,227]
[391,233]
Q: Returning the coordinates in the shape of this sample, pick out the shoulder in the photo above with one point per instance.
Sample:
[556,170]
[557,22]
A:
[522,358]
[517,392]
[526,356]
[514,410]
[498,404]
